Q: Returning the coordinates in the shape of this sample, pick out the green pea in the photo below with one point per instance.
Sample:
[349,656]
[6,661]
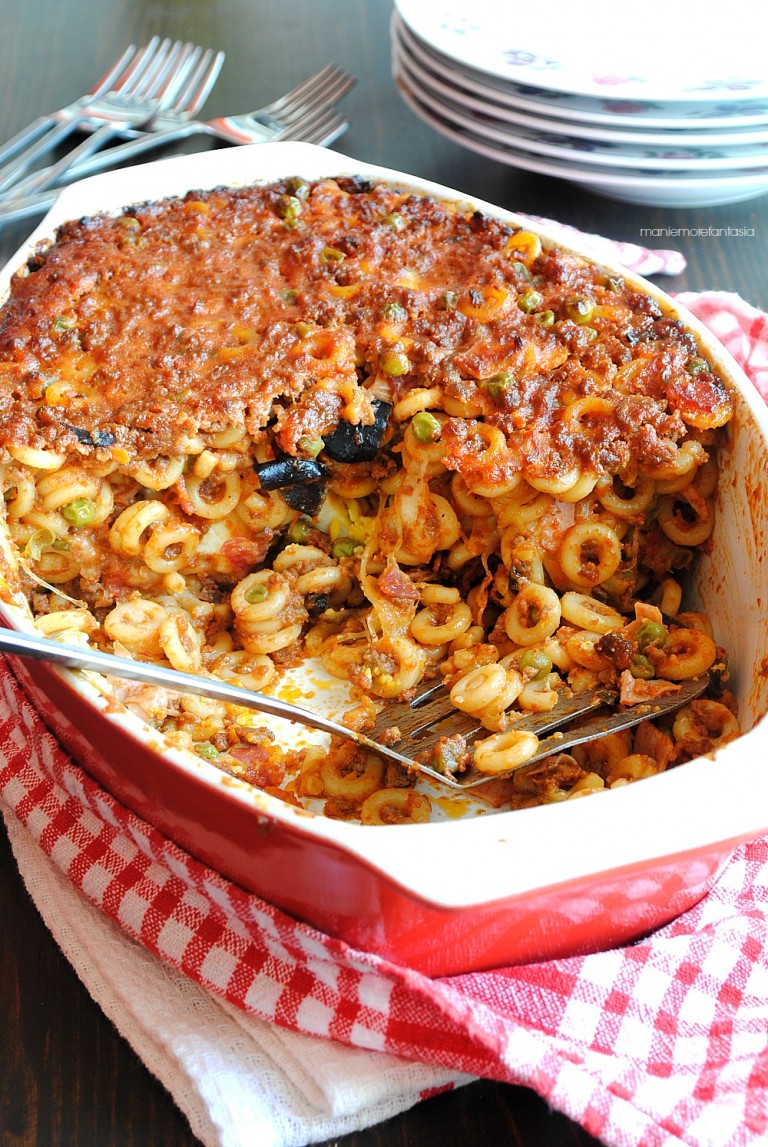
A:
[538,660]
[63,323]
[447,301]
[498,383]
[651,633]
[395,220]
[697,366]
[311,446]
[395,313]
[545,318]
[132,236]
[299,530]
[332,255]
[529,300]
[298,187]
[425,427]
[344,547]
[207,751]
[79,512]
[256,593]
[395,363]
[642,667]
[290,209]
[580,309]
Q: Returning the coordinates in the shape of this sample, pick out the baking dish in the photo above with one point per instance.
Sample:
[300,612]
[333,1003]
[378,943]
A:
[478,890]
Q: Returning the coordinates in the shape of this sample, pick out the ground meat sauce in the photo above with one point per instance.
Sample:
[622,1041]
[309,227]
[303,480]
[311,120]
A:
[290,304]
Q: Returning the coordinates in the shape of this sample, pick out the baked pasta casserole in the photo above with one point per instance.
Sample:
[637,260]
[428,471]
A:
[340,420]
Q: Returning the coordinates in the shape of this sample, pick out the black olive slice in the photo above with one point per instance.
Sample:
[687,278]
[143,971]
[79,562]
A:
[350,443]
[306,499]
[93,437]
[282,472]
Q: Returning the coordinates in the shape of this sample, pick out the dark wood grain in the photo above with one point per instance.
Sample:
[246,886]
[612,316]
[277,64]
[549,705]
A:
[66,1076]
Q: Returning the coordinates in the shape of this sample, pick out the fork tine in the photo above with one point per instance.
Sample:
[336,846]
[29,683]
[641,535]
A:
[327,134]
[321,98]
[174,61]
[136,69]
[293,100]
[172,77]
[425,724]
[199,84]
[314,127]
[110,77]
[612,723]
[151,71]
[296,94]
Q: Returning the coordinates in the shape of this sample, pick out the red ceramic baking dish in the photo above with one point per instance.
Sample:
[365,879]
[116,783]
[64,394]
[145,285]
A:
[488,887]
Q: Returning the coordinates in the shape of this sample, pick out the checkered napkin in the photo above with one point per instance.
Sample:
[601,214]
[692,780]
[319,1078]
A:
[267,1031]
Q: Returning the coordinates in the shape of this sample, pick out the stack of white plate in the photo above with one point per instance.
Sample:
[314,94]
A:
[665,103]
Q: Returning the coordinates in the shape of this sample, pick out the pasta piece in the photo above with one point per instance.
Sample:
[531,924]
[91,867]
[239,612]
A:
[395,806]
[505,751]
[136,624]
[264,606]
[487,692]
[533,615]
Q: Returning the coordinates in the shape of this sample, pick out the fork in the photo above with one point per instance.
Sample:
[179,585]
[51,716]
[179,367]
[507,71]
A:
[422,734]
[177,88]
[430,718]
[130,102]
[321,130]
[297,115]
[117,81]
[316,125]
[67,117]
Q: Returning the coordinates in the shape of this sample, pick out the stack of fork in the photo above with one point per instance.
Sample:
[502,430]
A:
[150,96]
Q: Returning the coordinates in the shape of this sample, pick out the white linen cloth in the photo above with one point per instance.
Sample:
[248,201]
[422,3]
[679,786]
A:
[239,1081]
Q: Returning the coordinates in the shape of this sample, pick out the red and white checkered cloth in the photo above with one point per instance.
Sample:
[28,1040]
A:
[662,1043]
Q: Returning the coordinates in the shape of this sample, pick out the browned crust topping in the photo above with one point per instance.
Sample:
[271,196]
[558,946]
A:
[292,304]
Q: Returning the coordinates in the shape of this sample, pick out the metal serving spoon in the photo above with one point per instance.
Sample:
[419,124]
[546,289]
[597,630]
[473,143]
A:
[419,721]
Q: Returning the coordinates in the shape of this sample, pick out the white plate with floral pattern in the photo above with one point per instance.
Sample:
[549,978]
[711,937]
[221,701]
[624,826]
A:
[670,53]
[557,142]
[611,105]
[487,102]
[651,189]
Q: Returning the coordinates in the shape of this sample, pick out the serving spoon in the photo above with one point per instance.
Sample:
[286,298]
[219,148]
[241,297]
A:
[419,724]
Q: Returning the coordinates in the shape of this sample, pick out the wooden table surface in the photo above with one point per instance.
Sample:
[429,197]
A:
[66,1078]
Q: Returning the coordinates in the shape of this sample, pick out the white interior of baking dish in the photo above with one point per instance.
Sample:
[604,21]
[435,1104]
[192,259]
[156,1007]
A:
[482,857]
